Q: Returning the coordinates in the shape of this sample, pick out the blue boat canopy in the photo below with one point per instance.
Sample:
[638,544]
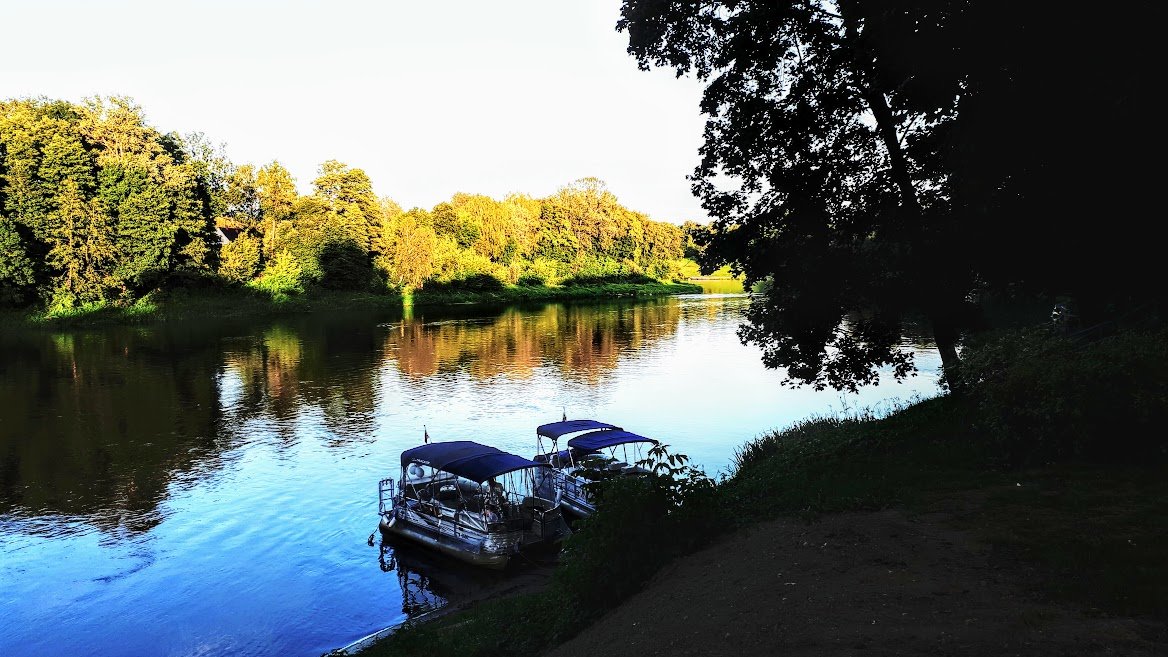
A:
[597,440]
[467,459]
[557,429]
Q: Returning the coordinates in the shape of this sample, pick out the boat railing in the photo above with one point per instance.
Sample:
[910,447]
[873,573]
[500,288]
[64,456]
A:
[385,491]
[570,484]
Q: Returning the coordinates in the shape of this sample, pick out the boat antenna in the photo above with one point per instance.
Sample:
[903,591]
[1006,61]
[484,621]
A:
[425,434]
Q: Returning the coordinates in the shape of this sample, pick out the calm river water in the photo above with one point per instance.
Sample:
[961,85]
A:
[208,489]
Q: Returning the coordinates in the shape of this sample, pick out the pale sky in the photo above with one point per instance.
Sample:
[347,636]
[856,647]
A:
[428,97]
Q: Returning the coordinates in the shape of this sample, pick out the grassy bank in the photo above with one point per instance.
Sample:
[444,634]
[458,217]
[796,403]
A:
[182,305]
[245,302]
[1080,496]
[520,294]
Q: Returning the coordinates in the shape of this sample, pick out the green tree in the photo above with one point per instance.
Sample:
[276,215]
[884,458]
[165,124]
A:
[283,276]
[694,242]
[407,250]
[17,270]
[555,239]
[453,220]
[242,200]
[276,195]
[591,211]
[213,169]
[348,194]
[240,261]
[82,249]
[155,194]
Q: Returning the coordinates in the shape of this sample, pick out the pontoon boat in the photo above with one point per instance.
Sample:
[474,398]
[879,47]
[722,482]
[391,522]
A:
[451,499]
[597,451]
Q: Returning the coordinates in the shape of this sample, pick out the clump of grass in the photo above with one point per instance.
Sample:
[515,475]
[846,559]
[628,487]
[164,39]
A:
[1043,397]
[858,462]
[94,313]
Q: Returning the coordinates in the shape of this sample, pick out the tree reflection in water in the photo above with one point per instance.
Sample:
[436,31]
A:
[98,424]
[584,342]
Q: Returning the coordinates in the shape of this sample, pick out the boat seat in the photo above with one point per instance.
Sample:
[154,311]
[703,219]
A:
[447,493]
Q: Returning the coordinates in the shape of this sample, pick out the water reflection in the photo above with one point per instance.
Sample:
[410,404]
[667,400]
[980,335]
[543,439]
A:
[583,342]
[98,424]
[286,368]
[419,592]
[209,487]
[428,581]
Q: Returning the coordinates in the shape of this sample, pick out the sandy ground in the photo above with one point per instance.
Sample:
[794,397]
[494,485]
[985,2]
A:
[854,584]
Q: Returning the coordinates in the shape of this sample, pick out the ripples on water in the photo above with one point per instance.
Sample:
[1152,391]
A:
[209,489]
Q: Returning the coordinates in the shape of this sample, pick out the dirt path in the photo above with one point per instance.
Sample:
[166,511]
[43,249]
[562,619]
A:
[853,584]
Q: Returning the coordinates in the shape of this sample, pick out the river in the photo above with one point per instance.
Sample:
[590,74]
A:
[208,488]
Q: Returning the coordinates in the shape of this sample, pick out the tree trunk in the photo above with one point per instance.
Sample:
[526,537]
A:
[897,163]
[881,112]
[946,330]
[946,335]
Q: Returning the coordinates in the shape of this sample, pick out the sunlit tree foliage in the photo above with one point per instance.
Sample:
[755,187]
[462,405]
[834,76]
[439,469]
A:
[96,205]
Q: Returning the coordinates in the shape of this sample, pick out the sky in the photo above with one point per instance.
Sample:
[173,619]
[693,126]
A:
[429,98]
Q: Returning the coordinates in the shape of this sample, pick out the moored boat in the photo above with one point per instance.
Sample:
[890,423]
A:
[594,451]
[470,501]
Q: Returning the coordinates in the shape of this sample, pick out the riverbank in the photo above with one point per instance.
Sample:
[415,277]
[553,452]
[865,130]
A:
[199,304]
[245,303]
[1025,516]
[521,294]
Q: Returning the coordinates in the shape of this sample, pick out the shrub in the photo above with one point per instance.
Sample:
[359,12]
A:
[550,271]
[1043,397]
[282,277]
[472,283]
[640,524]
[531,280]
[239,261]
[608,279]
[345,266]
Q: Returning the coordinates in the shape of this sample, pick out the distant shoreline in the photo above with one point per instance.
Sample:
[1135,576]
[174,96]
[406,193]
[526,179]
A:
[517,294]
[235,303]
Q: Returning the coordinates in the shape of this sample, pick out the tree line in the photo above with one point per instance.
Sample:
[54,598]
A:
[96,205]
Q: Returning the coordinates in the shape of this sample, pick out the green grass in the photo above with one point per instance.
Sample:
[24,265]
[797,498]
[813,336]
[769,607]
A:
[1097,533]
[860,463]
[522,624]
[723,273]
[183,304]
[1093,532]
[519,294]
[246,302]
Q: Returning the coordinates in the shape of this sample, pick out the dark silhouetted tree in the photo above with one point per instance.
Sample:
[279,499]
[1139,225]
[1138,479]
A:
[868,160]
